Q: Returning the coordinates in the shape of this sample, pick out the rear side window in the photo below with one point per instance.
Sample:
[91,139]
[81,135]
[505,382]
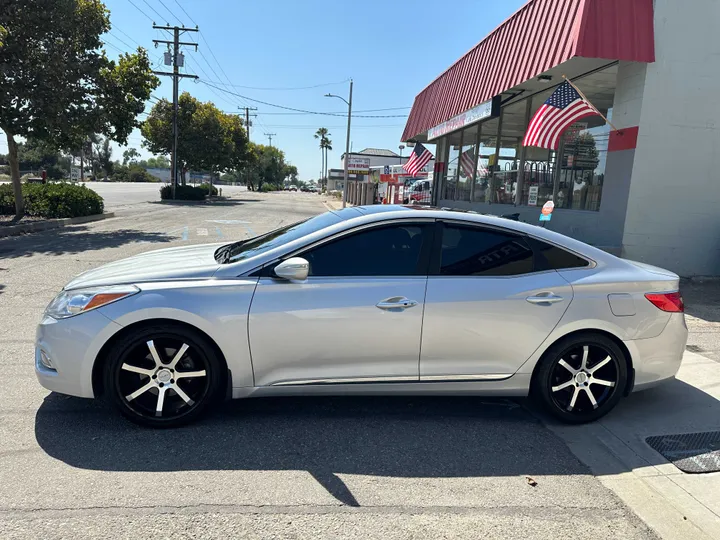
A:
[472,251]
[554,258]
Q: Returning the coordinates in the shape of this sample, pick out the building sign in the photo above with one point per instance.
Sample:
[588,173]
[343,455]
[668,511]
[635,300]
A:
[533,196]
[489,109]
[358,165]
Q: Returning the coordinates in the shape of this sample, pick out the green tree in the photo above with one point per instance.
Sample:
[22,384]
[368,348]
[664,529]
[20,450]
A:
[130,155]
[208,139]
[103,156]
[158,162]
[58,85]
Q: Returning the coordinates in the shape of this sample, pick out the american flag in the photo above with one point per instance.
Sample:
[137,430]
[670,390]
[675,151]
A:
[420,157]
[565,107]
[467,164]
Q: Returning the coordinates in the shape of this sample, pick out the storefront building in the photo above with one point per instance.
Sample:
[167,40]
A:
[650,190]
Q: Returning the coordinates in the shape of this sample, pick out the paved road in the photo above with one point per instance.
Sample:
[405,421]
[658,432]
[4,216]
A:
[315,468]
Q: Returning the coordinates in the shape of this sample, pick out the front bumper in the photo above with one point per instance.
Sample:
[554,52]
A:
[72,345]
[658,359]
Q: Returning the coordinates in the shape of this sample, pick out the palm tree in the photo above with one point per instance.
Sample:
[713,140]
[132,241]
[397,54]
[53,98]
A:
[322,134]
[328,146]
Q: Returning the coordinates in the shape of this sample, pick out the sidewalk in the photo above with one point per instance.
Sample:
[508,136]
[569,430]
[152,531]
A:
[332,204]
[674,503]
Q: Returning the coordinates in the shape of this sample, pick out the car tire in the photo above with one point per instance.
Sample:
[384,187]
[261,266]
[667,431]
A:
[581,378]
[413,202]
[164,376]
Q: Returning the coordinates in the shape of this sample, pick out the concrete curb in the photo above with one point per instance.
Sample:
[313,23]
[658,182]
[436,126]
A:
[37,226]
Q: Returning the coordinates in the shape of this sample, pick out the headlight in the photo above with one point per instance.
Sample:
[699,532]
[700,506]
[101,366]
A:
[70,303]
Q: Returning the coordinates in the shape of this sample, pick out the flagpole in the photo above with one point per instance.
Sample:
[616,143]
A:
[591,104]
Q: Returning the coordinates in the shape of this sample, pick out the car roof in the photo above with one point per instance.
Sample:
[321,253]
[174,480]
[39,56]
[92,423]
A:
[382,212]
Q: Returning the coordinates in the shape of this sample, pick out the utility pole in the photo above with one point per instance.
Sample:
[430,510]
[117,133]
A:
[247,118]
[176,76]
[270,136]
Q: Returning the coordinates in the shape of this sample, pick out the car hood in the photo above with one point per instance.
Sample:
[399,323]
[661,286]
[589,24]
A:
[188,262]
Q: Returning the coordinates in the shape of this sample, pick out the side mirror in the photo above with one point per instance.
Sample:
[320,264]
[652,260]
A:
[295,269]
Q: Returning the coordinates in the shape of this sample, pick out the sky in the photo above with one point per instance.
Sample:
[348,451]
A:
[276,50]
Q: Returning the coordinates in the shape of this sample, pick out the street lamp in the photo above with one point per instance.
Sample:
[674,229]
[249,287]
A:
[401,147]
[347,141]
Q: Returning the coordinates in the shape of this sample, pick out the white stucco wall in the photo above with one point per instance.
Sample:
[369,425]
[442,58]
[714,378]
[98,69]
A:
[673,211]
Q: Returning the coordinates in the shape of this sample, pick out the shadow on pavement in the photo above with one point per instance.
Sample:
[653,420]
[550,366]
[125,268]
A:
[74,239]
[702,298]
[382,436]
[221,202]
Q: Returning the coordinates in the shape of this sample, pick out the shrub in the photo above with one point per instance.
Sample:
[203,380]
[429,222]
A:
[208,189]
[268,187]
[182,193]
[131,173]
[52,200]
[5,169]
[56,172]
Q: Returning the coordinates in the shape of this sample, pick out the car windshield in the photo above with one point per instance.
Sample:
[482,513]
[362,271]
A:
[246,249]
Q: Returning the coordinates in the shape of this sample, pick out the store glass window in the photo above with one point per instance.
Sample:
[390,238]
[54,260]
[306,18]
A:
[454,141]
[582,174]
[487,148]
[466,165]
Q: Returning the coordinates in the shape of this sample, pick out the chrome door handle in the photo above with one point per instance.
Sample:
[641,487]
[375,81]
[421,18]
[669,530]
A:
[397,303]
[545,298]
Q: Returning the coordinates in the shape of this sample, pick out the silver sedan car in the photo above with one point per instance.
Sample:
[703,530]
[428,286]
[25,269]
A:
[367,300]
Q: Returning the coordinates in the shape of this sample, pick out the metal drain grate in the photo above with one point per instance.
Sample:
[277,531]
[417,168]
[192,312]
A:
[690,452]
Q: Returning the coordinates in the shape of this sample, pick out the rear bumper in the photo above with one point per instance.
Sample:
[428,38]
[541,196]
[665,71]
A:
[658,359]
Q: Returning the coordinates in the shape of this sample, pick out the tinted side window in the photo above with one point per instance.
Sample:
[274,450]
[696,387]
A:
[472,251]
[555,258]
[382,251]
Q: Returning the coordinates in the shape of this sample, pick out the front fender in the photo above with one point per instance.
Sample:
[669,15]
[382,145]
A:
[219,308]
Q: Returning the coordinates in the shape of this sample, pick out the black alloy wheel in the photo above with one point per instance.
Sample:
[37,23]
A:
[582,378]
[163,376]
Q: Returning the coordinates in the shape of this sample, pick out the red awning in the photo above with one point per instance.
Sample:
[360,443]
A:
[538,37]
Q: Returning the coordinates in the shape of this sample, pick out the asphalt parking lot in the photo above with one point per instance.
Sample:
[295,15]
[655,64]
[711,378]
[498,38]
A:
[267,468]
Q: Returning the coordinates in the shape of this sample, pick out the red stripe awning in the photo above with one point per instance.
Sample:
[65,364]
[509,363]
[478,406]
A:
[538,37]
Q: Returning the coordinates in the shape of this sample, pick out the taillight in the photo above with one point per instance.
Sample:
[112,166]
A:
[671,302]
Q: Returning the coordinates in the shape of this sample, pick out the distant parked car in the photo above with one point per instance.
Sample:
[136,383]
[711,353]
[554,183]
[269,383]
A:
[35,180]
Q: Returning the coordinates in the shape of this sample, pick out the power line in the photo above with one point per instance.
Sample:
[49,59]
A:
[186,13]
[281,88]
[114,47]
[340,112]
[302,110]
[121,41]
[169,11]
[291,126]
[126,35]
[141,11]
[155,10]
